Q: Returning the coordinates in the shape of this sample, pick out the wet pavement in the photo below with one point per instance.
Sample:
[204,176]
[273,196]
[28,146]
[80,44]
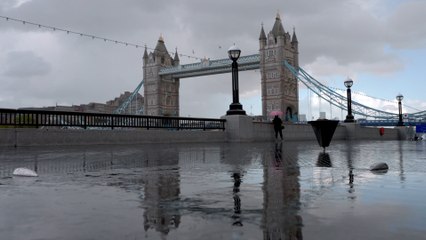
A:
[283,190]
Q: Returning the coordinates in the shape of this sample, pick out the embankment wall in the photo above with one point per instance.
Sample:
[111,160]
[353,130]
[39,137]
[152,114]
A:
[246,132]
[57,137]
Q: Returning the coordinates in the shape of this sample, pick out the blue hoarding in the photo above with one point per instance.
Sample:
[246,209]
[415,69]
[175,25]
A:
[421,128]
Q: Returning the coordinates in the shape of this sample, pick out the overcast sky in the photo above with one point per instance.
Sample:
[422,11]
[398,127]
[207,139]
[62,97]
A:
[380,44]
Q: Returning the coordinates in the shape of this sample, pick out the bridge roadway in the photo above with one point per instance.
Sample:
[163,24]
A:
[209,67]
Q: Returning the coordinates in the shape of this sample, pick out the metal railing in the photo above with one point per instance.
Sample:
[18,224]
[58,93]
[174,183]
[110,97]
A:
[389,123]
[41,118]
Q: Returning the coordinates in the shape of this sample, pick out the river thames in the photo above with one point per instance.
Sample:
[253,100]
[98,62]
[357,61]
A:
[274,190]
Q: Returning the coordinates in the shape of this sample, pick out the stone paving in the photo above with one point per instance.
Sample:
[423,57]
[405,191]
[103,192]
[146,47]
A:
[274,190]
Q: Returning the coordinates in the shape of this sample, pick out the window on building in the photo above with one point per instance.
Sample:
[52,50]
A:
[271,53]
[272,75]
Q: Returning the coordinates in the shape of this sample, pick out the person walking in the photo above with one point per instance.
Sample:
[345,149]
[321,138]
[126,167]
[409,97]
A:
[278,128]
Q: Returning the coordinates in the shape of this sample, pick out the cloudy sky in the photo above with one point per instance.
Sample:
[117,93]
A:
[380,44]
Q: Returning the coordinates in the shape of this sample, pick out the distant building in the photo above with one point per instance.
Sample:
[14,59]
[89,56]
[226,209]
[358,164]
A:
[134,107]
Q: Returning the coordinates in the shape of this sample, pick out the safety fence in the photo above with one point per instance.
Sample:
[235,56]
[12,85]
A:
[41,118]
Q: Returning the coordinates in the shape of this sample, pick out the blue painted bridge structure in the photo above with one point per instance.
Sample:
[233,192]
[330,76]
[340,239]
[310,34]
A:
[389,123]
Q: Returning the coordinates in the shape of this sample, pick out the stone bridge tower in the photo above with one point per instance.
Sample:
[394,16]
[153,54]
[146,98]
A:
[279,86]
[161,92]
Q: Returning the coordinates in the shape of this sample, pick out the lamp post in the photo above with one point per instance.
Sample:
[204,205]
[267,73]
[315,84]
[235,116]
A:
[235,108]
[399,98]
[348,85]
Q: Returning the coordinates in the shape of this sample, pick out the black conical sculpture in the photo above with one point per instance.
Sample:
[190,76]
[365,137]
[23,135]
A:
[324,131]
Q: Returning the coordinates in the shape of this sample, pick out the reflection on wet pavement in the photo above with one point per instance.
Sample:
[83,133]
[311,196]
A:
[284,190]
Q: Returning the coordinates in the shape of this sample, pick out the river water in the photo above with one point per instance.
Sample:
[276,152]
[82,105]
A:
[275,190]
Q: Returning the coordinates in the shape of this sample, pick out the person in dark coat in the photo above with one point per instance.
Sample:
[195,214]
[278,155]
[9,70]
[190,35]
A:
[278,126]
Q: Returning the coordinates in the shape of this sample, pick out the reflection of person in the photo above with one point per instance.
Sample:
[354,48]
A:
[278,154]
[278,126]
[281,195]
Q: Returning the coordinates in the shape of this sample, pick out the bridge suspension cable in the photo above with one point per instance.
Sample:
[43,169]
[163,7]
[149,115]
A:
[374,98]
[419,115]
[335,98]
[92,36]
[126,103]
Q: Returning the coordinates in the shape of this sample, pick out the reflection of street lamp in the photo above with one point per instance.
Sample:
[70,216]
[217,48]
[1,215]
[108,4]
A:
[237,201]
[348,85]
[235,108]
[399,97]
[350,167]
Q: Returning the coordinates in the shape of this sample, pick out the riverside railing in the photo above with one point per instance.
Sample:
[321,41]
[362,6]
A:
[41,118]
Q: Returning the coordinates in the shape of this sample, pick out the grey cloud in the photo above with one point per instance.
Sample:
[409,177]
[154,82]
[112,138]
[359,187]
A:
[340,29]
[110,18]
[406,28]
[7,4]
[25,64]
[345,32]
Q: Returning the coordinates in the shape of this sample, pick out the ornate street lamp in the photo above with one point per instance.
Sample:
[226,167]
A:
[235,108]
[348,85]
[399,98]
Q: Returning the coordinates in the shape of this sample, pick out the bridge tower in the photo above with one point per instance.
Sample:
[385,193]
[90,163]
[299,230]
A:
[161,92]
[279,86]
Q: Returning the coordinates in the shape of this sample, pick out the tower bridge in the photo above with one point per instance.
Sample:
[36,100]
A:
[278,61]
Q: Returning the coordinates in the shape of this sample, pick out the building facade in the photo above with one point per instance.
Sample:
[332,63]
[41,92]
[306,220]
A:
[161,93]
[279,86]
[135,106]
